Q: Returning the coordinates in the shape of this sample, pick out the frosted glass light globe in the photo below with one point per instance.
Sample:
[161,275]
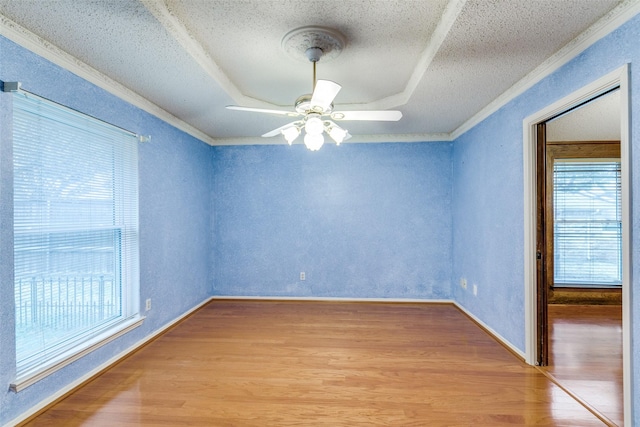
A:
[313,142]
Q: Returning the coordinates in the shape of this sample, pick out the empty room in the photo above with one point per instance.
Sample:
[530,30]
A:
[336,213]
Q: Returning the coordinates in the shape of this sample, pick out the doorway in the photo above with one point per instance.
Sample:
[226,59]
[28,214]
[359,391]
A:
[581,280]
[536,299]
[579,224]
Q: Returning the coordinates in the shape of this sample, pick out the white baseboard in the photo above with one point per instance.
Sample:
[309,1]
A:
[483,325]
[491,331]
[336,299]
[78,382]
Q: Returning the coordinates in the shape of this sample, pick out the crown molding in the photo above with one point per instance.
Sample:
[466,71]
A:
[405,137]
[604,26]
[358,139]
[612,20]
[448,19]
[194,48]
[38,45]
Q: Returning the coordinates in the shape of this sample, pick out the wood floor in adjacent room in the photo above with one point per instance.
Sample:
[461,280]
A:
[260,363]
[585,355]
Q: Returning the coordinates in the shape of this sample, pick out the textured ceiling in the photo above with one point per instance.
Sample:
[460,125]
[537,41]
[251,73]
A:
[598,120]
[440,62]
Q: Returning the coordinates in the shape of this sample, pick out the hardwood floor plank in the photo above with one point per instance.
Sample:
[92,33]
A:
[269,363]
[586,355]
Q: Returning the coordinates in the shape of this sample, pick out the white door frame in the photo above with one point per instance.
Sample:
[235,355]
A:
[619,77]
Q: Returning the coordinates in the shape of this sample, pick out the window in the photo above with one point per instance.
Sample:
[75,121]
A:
[587,223]
[75,232]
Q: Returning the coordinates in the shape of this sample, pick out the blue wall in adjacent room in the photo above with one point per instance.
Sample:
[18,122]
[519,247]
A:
[488,187]
[361,220]
[175,223]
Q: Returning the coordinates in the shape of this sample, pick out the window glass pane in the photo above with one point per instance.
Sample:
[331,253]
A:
[75,228]
[587,223]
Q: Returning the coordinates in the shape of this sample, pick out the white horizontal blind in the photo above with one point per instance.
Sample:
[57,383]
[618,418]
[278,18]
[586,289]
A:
[587,223]
[75,228]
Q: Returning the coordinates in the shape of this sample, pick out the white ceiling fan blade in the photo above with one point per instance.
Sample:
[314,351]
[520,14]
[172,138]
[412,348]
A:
[374,115]
[324,93]
[263,110]
[279,130]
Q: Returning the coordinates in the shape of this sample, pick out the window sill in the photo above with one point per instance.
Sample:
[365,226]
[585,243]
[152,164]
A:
[580,287]
[35,375]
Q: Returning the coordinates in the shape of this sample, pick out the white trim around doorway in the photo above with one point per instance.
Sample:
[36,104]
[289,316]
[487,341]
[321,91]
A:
[617,78]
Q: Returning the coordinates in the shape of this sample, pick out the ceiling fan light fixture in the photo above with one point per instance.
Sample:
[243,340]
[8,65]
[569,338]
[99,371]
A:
[313,142]
[336,133]
[313,125]
[291,133]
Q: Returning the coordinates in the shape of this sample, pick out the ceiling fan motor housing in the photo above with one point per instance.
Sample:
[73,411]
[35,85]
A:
[303,106]
[313,54]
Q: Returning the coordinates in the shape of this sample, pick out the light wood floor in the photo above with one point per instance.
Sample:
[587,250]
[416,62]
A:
[586,355]
[257,363]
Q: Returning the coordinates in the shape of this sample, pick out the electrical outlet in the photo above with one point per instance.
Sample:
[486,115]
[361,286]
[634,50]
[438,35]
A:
[475,289]
[147,306]
[463,283]
[303,276]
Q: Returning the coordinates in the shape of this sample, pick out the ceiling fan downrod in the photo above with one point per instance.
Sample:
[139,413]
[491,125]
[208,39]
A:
[314,54]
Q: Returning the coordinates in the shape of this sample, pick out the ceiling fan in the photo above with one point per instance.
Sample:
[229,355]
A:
[315,111]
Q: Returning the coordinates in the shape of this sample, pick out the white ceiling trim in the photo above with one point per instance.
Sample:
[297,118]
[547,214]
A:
[193,47]
[601,28]
[356,139]
[449,17]
[25,38]
[181,34]
[605,25]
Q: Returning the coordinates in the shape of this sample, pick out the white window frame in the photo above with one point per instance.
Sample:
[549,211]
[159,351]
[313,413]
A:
[130,303]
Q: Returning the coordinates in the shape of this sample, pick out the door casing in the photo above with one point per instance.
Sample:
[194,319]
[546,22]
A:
[531,129]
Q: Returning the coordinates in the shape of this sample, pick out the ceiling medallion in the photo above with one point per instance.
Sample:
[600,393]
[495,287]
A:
[296,42]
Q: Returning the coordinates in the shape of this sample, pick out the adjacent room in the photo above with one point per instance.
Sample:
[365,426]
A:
[319,213]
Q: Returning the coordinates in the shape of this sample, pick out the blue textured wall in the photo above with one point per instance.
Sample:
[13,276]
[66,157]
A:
[488,220]
[488,216]
[384,220]
[175,222]
[361,220]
